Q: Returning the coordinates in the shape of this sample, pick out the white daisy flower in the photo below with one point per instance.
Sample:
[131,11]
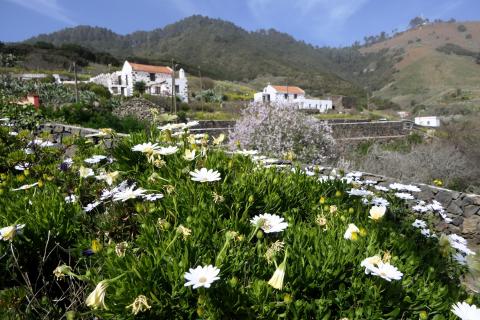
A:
[8,233]
[148,148]
[191,124]
[385,271]
[71,199]
[96,299]
[153,197]
[205,175]
[376,201]
[13,133]
[68,161]
[459,243]
[165,151]
[22,166]
[247,152]
[377,213]
[360,192]
[427,233]
[95,159]
[352,232]
[26,186]
[42,143]
[465,311]
[91,206]
[189,155]
[460,258]
[109,177]
[28,151]
[201,276]
[404,196]
[381,188]
[128,193]
[355,174]
[172,126]
[269,223]
[419,224]
[85,172]
[404,187]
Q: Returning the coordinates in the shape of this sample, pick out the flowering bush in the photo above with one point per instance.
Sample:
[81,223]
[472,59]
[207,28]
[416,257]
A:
[136,231]
[277,130]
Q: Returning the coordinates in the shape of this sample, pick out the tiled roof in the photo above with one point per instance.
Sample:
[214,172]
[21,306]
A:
[150,69]
[289,89]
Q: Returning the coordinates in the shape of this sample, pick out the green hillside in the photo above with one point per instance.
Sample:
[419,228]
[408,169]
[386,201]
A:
[224,51]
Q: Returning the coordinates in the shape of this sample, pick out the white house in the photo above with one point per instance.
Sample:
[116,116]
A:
[293,96]
[427,121]
[157,79]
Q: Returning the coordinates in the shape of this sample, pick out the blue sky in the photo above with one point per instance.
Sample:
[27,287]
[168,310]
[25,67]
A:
[320,22]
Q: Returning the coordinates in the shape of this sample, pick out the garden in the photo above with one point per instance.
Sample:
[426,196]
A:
[171,225]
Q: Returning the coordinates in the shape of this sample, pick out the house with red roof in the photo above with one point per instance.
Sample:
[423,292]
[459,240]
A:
[292,96]
[158,80]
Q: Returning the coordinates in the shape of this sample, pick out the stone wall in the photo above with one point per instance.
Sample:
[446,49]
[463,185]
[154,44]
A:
[341,129]
[138,108]
[60,131]
[370,129]
[462,208]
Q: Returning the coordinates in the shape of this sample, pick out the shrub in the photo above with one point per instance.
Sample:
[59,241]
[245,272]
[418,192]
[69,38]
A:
[276,130]
[139,87]
[462,28]
[99,90]
[437,160]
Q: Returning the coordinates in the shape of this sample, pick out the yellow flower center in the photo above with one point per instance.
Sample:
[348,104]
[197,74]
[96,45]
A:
[202,279]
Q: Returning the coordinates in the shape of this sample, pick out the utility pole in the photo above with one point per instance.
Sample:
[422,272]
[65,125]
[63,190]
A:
[76,84]
[201,86]
[174,94]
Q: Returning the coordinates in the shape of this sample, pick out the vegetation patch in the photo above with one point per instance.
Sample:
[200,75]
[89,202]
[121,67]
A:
[167,225]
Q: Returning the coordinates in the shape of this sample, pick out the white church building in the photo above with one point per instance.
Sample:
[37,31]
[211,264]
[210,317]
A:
[157,79]
[292,96]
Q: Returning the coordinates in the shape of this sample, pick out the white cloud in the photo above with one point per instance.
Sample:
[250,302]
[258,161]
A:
[49,8]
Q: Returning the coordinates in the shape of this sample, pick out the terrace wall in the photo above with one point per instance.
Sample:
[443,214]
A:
[463,208]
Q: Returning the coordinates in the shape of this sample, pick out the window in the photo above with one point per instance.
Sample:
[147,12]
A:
[115,90]
[285,96]
[126,80]
[295,96]
[120,80]
[157,90]
[152,76]
[177,88]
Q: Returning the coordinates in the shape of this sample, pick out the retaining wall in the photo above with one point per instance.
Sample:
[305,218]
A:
[462,208]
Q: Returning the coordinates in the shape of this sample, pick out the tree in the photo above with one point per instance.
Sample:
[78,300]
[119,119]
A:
[140,87]
[417,21]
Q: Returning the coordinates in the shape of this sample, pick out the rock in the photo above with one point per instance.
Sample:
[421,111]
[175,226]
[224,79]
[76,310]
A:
[444,197]
[136,107]
[426,194]
[475,199]
[467,200]
[457,221]
[470,225]
[454,209]
[470,210]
